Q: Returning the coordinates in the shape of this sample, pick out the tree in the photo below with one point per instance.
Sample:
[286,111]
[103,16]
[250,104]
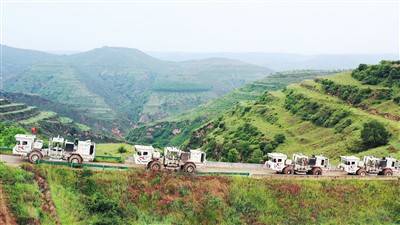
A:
[233,155]
[7,134]
[374,134]
[256,156]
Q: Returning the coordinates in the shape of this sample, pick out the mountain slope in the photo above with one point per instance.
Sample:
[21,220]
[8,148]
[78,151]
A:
[47,123]
[313,117]
[120,86]
[177,129]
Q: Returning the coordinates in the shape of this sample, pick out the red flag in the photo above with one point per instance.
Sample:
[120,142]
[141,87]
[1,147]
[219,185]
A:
[33,130]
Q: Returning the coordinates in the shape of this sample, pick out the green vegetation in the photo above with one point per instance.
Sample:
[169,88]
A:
[47,123]
[178,129]
[167,86]
[335,115]
[319,114]
[122,149]
[114,149]
[115,87]
[138,197]
[23,196]
[386,73]
[374,134]
[7,134]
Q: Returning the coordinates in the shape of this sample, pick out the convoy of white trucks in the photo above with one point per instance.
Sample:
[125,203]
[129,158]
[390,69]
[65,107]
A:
[171,158]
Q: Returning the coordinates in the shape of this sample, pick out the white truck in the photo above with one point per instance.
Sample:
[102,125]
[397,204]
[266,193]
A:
[144,154]
[59,149]
[26,143]
[175,159]
[369,165]
[300,164]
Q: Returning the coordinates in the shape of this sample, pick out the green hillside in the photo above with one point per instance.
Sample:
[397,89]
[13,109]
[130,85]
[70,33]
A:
[174,130]
[120,87]
[335,115]
[138,197]
[48,123]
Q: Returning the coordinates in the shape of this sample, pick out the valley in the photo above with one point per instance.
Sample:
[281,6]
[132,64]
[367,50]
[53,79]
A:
[118,88]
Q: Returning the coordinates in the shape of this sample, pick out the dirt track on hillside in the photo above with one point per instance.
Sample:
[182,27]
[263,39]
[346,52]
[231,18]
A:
[6,216]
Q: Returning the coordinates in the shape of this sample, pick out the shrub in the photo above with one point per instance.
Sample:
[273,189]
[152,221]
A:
[7,134]
[386,72]
[233,155]
[374,134]
[279,138]
[122,149]
[317,113]
[256,156]
[397,100]
[341,126]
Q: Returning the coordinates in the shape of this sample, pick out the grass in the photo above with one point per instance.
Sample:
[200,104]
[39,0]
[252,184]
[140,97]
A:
[23,196]
[41,116]
[304,136]
[111,149]
[138,197]
[346,79]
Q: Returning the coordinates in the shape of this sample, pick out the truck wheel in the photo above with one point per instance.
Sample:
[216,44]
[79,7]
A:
[387,172]
[34,156]
[189,168]
[361,172]
[316,171]
[155,166]
[288,170]
[76,159]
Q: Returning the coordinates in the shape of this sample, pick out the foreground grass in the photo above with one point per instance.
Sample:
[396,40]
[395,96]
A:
[23,196]
[138,197]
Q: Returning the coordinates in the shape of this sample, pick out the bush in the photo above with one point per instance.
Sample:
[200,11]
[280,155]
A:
[7,134]
[374,134]
[386,72]
[256,156]
[122,149]
[233,155]
[279,138]
[317,113]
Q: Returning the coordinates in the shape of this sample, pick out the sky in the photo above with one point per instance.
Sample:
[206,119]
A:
[305,27]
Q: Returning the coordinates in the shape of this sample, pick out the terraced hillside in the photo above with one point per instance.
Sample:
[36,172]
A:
[175,130]
[16,112]
[120,87]
[335,115]
[48,123]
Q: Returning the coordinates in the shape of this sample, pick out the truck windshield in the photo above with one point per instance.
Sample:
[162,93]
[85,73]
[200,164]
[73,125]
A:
[382,163]
[312,161]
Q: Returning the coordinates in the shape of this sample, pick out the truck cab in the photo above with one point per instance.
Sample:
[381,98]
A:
[25,143]
[144,154]
[276,161]
[349,164]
